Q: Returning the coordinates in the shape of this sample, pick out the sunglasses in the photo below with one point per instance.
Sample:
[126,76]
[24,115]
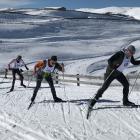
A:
[130,52]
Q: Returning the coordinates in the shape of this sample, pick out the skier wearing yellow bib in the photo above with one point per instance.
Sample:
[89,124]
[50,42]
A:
[44,69]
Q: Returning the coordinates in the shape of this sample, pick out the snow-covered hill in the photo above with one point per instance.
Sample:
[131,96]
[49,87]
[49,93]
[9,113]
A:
[69,34]
[129,11]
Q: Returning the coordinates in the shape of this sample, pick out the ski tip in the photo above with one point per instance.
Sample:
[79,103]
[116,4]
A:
[8,91]
[31,104]
[135,106]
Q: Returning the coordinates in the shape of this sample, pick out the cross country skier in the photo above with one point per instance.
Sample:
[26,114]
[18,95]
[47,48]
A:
[44,69]
[15,65]
[116,64]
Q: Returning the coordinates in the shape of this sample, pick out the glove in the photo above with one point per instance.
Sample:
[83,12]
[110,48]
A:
[46,74]
[62,67]
[116,66]
[21,70]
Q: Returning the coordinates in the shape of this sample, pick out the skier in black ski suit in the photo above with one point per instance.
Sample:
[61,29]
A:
[116,64]
[44,69]
[15,65]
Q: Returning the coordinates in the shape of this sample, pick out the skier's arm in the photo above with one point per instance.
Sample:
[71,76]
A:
[113,61]
[10,63]
[35,69]
[135,62]
[25,65]
[60,67]
[38,66]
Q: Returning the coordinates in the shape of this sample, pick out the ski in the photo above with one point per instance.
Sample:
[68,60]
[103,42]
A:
[110,107]
[137,106]
[129,106]
[117,106]
[49,101]
[61,101]
[9,91]
[52,101]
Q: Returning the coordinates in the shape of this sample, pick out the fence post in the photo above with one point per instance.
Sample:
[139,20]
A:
[78,80]
[56,81]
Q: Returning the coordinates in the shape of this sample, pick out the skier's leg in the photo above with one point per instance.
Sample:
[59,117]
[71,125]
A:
[122,79]
[21,77]
[38,84]
[51,84]
[102,89]
[14,78]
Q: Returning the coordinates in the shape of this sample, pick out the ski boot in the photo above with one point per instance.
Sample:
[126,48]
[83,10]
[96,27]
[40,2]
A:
[56,99]
[128,103]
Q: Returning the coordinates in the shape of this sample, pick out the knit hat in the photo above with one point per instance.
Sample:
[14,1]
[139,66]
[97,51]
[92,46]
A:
[54,58]
[132,49]
[19,57]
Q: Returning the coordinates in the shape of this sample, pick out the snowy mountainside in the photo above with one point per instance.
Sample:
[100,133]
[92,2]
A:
[47,120]
[128,11]
[69,34]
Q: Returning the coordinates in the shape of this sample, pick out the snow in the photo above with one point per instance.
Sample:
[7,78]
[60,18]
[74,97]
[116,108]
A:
[129,11]
[83,41]
[53,121]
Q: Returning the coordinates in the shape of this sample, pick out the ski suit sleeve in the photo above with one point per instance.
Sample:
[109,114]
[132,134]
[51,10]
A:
[11,63]
[60,67]
[115,60]
[134,62]
[38,66]
[25,65]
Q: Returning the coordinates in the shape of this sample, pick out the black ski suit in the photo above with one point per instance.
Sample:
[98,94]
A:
[113,63]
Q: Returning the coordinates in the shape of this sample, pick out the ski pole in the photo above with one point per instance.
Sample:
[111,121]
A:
[134,83]
[64,86]
[30,80]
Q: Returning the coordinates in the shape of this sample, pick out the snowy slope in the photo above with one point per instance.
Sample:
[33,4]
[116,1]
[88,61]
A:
[60,121]
[83,41]
[129,11]
[69,34]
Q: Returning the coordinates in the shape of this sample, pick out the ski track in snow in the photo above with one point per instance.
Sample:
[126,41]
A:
[67,121]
